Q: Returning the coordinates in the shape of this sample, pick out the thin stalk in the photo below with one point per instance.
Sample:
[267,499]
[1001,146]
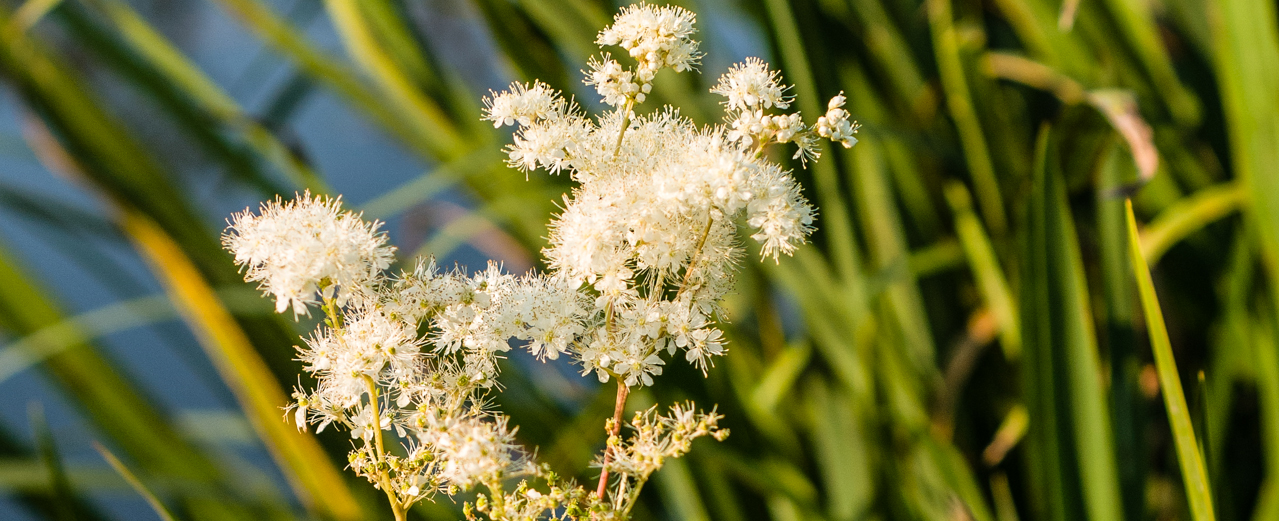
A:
[697,254]
[630,498]
[626,122]
[622,392]
[383,478]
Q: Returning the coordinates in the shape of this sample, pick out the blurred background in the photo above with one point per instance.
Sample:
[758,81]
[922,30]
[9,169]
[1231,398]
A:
[964,339]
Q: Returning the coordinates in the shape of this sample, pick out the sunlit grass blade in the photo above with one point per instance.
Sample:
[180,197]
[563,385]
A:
[1193,472]
[960,103]
[1188,216]
[986,270]
[119,409]
[335,74]
[180,72]
[132,479]
[308,468]
[363,45]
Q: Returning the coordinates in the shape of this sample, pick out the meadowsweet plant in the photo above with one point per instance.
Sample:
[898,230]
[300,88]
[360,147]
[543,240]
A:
[639,260]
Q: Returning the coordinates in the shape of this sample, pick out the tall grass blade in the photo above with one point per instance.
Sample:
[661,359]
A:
[1193,472]
[132,479]
[984,264]
[960,102]
[308,468]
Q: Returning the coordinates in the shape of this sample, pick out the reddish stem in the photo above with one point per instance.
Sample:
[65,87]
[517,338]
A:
[622,392]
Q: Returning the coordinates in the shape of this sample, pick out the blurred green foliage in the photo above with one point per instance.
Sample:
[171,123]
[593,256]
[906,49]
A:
[983,207]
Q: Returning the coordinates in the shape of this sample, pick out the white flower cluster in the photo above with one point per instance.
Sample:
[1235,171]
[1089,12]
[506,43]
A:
[289,248]
[835,126]
[640,258]
[752,89]
[658,438]
[656,37]
[651,225]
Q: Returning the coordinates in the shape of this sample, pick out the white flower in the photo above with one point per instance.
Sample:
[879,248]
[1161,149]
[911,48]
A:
[834,125]
[295,249]
[473,450]
[751,85]
[656,37]
[615,84]
[523,104]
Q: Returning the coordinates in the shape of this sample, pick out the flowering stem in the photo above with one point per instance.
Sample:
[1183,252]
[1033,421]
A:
[622,392]
[626,122]
[384,480]
[692,262]
[630,499]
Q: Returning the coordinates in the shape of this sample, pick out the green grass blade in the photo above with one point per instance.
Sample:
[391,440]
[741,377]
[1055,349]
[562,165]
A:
[371,55]
[313,475]
[985,268]
[132,479]
[836,217]
[960,102]
[114,404]
[1188,216]
[331,72]
[1193,472]
[180,72]
[64,498]
[1074,458]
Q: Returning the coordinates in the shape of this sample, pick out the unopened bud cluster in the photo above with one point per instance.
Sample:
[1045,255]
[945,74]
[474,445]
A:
[639,260]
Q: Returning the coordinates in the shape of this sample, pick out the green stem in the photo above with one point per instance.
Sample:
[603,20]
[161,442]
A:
[697,254]
[626,122]
[384,479]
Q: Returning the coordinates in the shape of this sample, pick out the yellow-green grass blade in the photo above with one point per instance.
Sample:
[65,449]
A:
[114,404]
[333,73]
[986,270]
[31,12]
[1189,215]
[371,55]
[76,136]
[315,478]
[167,98]
[1246,45]
[179,71]
[1193,472]
[138,486]
[71,332]
[959,101]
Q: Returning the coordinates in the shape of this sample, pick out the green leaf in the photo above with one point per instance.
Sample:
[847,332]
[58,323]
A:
[136,483]
[1193,472]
